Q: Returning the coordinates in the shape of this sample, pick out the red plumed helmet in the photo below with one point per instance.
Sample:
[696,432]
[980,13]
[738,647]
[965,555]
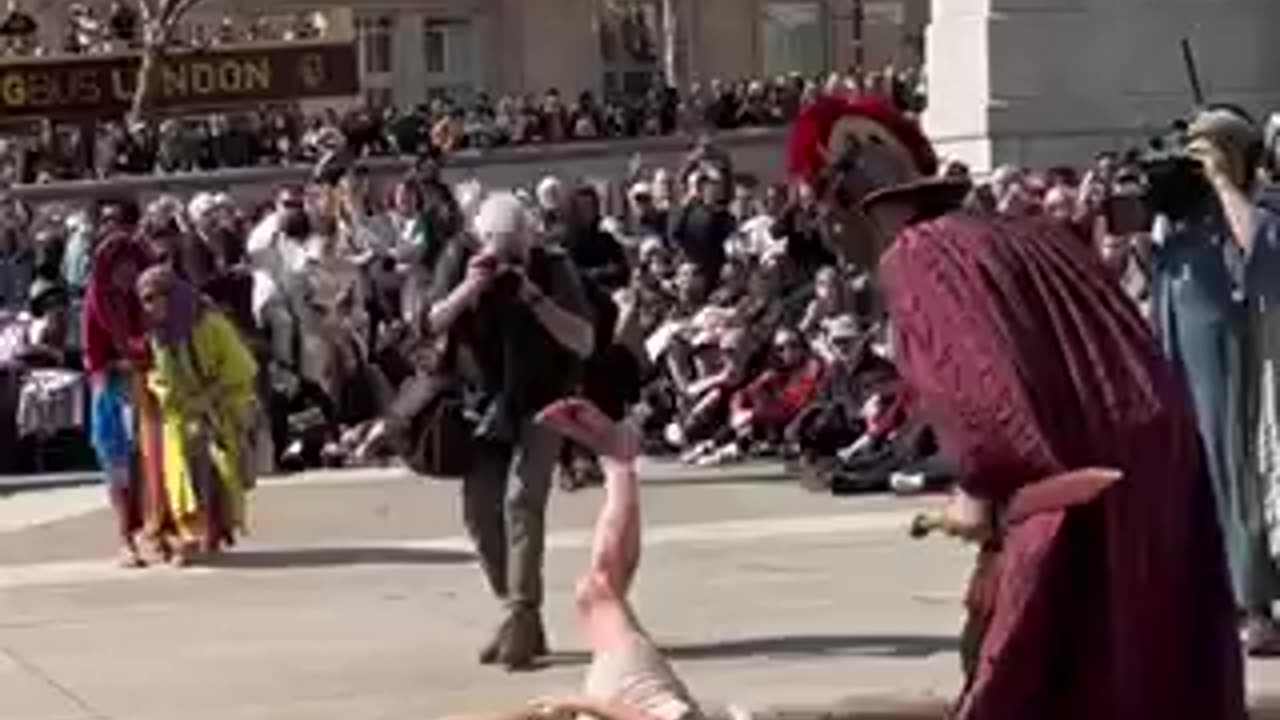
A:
[816,132]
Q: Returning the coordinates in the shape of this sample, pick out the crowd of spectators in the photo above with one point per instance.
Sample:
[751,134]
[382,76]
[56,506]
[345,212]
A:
[741,335]
[284,135]
[96,28]
[744,333]
[1102,205]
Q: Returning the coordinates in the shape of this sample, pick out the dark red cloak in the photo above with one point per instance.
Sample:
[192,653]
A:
[1030,361]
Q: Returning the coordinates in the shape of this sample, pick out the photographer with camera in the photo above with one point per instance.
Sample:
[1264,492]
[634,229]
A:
[1215,276]
[519,328]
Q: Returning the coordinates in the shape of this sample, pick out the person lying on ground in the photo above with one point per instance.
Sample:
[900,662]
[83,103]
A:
[629,679]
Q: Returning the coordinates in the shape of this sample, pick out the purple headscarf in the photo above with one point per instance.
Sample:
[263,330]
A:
[183,307]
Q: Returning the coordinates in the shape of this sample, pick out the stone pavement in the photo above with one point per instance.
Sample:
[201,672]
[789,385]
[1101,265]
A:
[357,598]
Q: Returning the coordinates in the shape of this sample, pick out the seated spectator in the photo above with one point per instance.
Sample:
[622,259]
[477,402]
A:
[50,405]
[735,282]
[756,233]
[703,371]
[652,286]
[48,327]
[897,451]
[760,412]
[834,420]
[832,298]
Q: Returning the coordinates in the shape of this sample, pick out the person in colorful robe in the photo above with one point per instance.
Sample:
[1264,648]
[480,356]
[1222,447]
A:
[203,378]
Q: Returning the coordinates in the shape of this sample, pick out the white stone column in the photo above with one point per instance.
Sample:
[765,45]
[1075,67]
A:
[1044,82]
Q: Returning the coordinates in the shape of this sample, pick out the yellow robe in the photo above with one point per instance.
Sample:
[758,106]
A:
[217,387]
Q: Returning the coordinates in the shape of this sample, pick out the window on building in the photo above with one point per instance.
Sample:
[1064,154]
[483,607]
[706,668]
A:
[449,55]
[376,36]
[631,44]
[629,84]
[795,38]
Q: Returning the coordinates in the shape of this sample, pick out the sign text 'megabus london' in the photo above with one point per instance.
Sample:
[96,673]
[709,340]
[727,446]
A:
[214,79]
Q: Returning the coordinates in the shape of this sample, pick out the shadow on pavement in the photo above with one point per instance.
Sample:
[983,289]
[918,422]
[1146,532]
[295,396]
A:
[336,557]
[799,646]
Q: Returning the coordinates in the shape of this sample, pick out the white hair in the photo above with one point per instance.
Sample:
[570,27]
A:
[470,194]
[503,217]
[201,205]
[550,192]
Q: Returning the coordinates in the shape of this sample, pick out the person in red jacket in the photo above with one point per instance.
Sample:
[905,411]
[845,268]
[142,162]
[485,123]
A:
[775,396]
[761,411]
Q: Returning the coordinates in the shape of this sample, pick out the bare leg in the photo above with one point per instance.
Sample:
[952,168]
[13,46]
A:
[615,554]
[615,550]
[124,508]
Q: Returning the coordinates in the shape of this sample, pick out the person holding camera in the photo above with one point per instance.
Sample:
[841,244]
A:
[1214,272]
[520,329]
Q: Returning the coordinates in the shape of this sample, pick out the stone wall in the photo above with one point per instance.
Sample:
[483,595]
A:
[1051,81]
[759,152]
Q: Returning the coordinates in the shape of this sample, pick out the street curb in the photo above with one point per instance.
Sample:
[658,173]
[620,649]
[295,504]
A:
[15,484]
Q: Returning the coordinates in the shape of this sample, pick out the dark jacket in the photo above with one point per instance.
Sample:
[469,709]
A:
[700,232]
[520,367]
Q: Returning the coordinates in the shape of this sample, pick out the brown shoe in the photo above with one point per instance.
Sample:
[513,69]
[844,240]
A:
[524,641]
[491,651]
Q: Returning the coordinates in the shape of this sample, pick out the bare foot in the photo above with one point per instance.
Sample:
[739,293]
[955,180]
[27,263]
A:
[184,553]
[129,558]
[581,421]
[159,550]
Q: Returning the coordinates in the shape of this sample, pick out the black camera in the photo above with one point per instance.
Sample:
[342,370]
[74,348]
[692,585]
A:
[508,282]
[1176,184]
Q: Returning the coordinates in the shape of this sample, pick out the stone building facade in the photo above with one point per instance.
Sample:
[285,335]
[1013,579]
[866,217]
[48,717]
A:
[411,49]
[1047,82]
